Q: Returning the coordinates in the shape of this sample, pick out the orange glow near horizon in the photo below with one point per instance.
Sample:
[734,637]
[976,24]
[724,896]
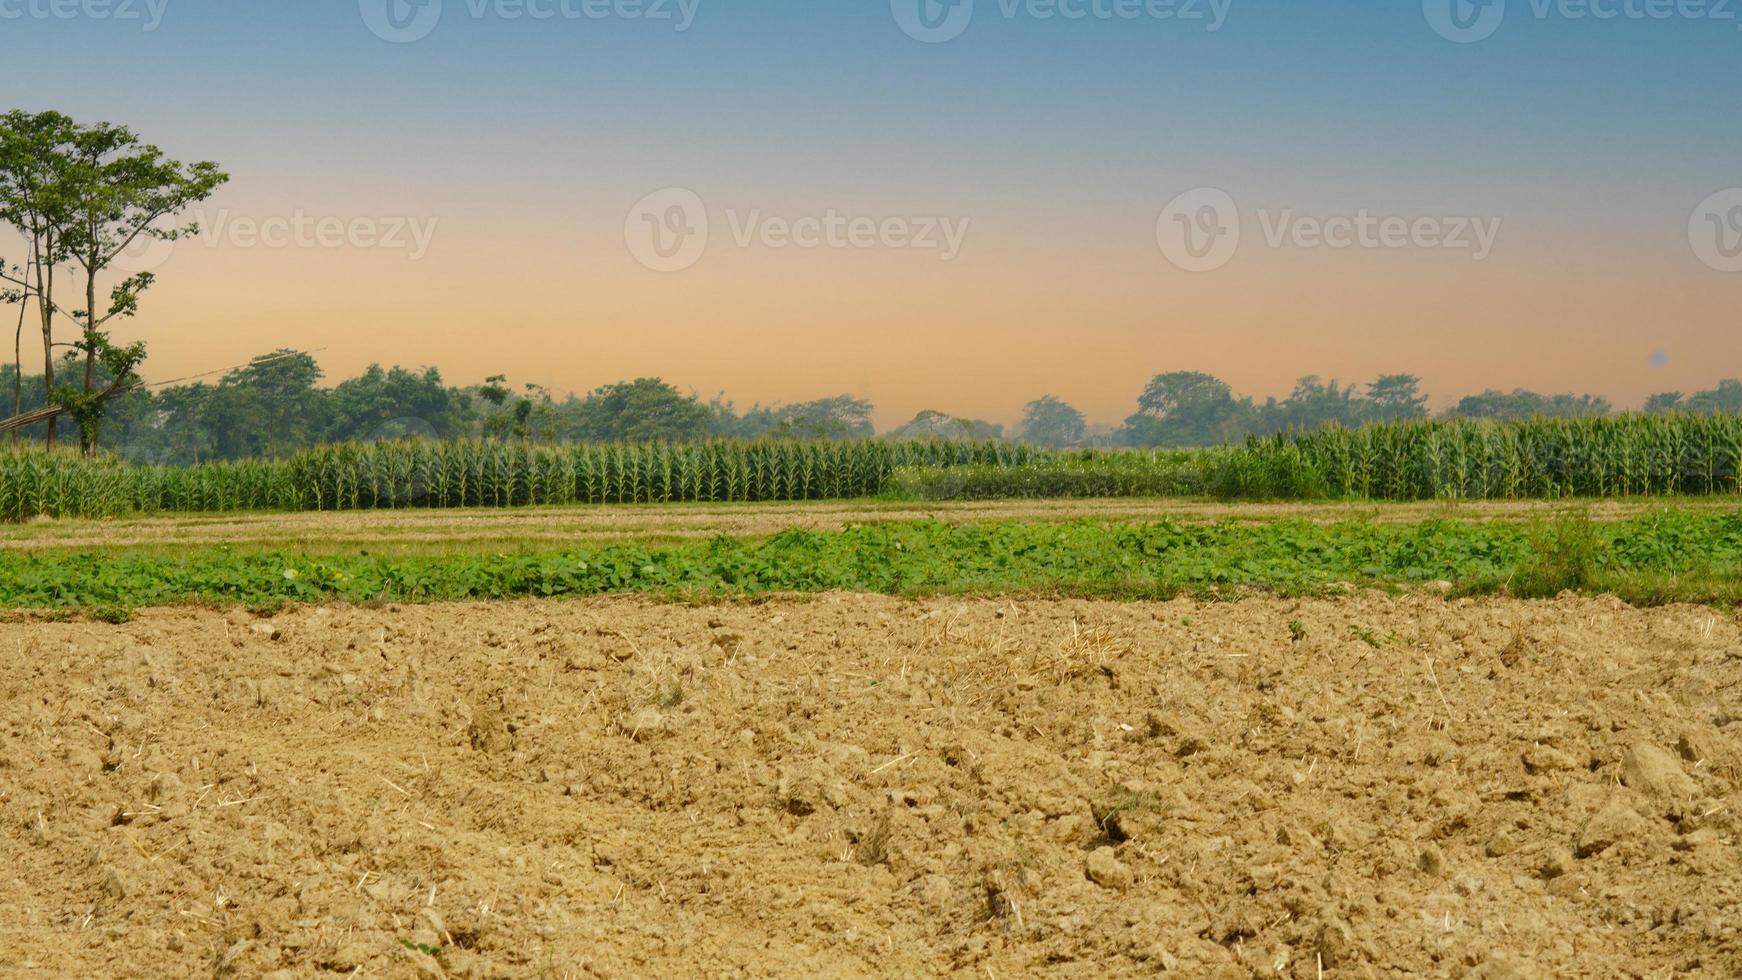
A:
[978,336]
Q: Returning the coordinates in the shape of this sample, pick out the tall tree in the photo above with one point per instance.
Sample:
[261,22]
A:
[933,424]
[35,162]
[391,403]
[1185,408]
[117,190]
[1663,402]
[1048,421]
[836,417]
[1315,404]
[1397,397]
[269,408]
[1522,404]
[644,410]
[1727,397]
[20,275]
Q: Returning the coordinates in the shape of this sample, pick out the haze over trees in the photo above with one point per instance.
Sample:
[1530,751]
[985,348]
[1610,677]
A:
[1191,408]
[836,417]
[1521,404]
[933,424]
[282,402]
[1048,421]
[1727,397]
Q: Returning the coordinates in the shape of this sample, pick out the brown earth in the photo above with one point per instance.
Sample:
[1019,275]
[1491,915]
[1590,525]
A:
[552,527]
[869,786]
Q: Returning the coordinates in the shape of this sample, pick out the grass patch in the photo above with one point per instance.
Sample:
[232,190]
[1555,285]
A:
[1565,556]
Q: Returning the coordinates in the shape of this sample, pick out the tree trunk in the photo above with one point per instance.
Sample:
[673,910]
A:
[45,305]
[88,440]
[18,354]
[18,366]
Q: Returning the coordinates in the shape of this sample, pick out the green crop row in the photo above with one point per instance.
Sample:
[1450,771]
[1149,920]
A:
[1668,555]
[1630,455]
[476,474]
[1543,459]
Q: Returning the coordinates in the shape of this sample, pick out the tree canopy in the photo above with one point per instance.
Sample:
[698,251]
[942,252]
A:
[1048,421]
[79,196]
[933,424]
[643,410]
[280,403]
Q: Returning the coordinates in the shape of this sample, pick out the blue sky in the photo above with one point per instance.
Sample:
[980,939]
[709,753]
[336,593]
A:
[1591,137]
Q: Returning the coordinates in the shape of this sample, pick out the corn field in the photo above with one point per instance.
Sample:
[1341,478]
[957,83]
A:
[1622,456]
[476,474]
[1545,459]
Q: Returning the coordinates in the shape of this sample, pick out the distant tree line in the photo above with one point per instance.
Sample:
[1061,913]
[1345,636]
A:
[1191,408]
[278,404]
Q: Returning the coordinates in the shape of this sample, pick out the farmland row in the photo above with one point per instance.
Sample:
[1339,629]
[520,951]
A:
[1546,459]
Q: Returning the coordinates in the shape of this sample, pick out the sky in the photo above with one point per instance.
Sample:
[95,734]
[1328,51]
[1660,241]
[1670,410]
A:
[958,207]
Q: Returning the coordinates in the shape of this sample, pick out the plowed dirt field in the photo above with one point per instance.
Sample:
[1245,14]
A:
[851,785]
